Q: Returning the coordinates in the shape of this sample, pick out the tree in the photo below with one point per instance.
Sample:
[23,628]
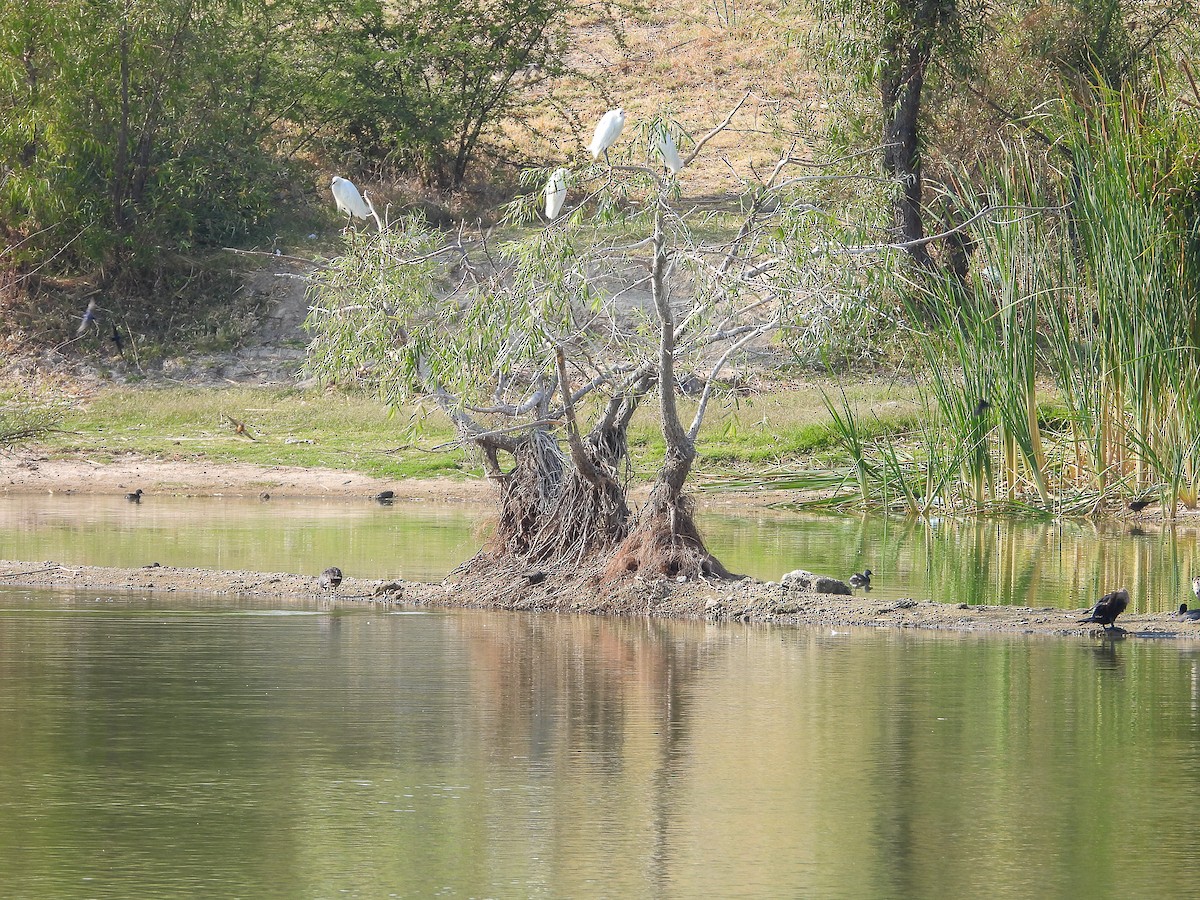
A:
[132,128]
[999,63]
[893,44]
[542,349]
[420,83]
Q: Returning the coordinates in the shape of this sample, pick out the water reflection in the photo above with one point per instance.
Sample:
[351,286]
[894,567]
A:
[480,754]
[418,541]
[1066,564]
[982,561]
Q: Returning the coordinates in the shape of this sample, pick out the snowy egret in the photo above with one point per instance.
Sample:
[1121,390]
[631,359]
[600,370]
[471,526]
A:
[1110,606]
[556,193]
[348,199]
[668,151]
[607,132]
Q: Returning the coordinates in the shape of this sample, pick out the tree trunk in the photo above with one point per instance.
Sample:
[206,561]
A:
[681,451]
[665,541]
[900,88]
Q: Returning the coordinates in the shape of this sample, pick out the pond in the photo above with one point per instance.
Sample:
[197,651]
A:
[158,749]
[1066,564]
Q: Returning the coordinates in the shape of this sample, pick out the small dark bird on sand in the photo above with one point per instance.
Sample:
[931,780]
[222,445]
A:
[1139,505]
[384,497]
[1189,613]
[861,579]
[1110,606]
[535,577]
[135,497]
[330,578]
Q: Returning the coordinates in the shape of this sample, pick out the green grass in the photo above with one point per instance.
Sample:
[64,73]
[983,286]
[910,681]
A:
[335,430]
[290,427]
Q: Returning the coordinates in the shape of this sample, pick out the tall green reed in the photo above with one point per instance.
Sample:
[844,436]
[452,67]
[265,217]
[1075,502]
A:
[1084,286]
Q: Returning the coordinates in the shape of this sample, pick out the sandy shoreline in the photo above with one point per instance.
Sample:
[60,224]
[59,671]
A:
[743,601]
[32,473]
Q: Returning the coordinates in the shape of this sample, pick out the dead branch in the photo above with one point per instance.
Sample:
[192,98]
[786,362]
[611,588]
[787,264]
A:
[579,456]
[709,135]
[733,348]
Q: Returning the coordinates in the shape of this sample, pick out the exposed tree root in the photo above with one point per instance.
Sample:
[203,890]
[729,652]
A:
[565,534]
[665,541]
[550,513]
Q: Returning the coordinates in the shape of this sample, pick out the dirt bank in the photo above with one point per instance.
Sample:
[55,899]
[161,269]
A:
[34,472]
[741,601]
[28,472]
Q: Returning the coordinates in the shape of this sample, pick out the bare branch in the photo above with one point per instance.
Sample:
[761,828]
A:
[497,437]
[706,395]
[928,239]
[708,136]
[371,206]
[583,462]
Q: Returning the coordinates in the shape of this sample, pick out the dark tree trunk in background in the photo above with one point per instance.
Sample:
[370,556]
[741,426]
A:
[900,82]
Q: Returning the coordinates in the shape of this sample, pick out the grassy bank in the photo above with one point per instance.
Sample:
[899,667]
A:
[757,435]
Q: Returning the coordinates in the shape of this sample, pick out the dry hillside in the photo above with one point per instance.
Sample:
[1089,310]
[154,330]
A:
[690,63]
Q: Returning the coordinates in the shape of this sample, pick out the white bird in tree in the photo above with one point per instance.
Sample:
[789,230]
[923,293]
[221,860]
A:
[348,199]
[607,132]
[556,193]
[668,151]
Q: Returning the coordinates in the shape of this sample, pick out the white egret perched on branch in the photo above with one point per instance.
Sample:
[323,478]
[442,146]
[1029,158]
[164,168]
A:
[348,199]
[556,193]
[607,132]
[668,151]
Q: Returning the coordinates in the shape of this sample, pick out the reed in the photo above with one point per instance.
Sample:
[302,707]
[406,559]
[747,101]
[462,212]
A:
[1083,289]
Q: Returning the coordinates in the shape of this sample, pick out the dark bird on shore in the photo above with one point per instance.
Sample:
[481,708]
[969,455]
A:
[115,337]
[1139,505]
[89,317]
[861,579]
[981,407]
[1188,613]
[134,497]
[330,578]
[1110,606]
[384,497]
[535,577]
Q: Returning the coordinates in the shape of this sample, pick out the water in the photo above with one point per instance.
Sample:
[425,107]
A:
[1067,564]
[267,752]
[418,541]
